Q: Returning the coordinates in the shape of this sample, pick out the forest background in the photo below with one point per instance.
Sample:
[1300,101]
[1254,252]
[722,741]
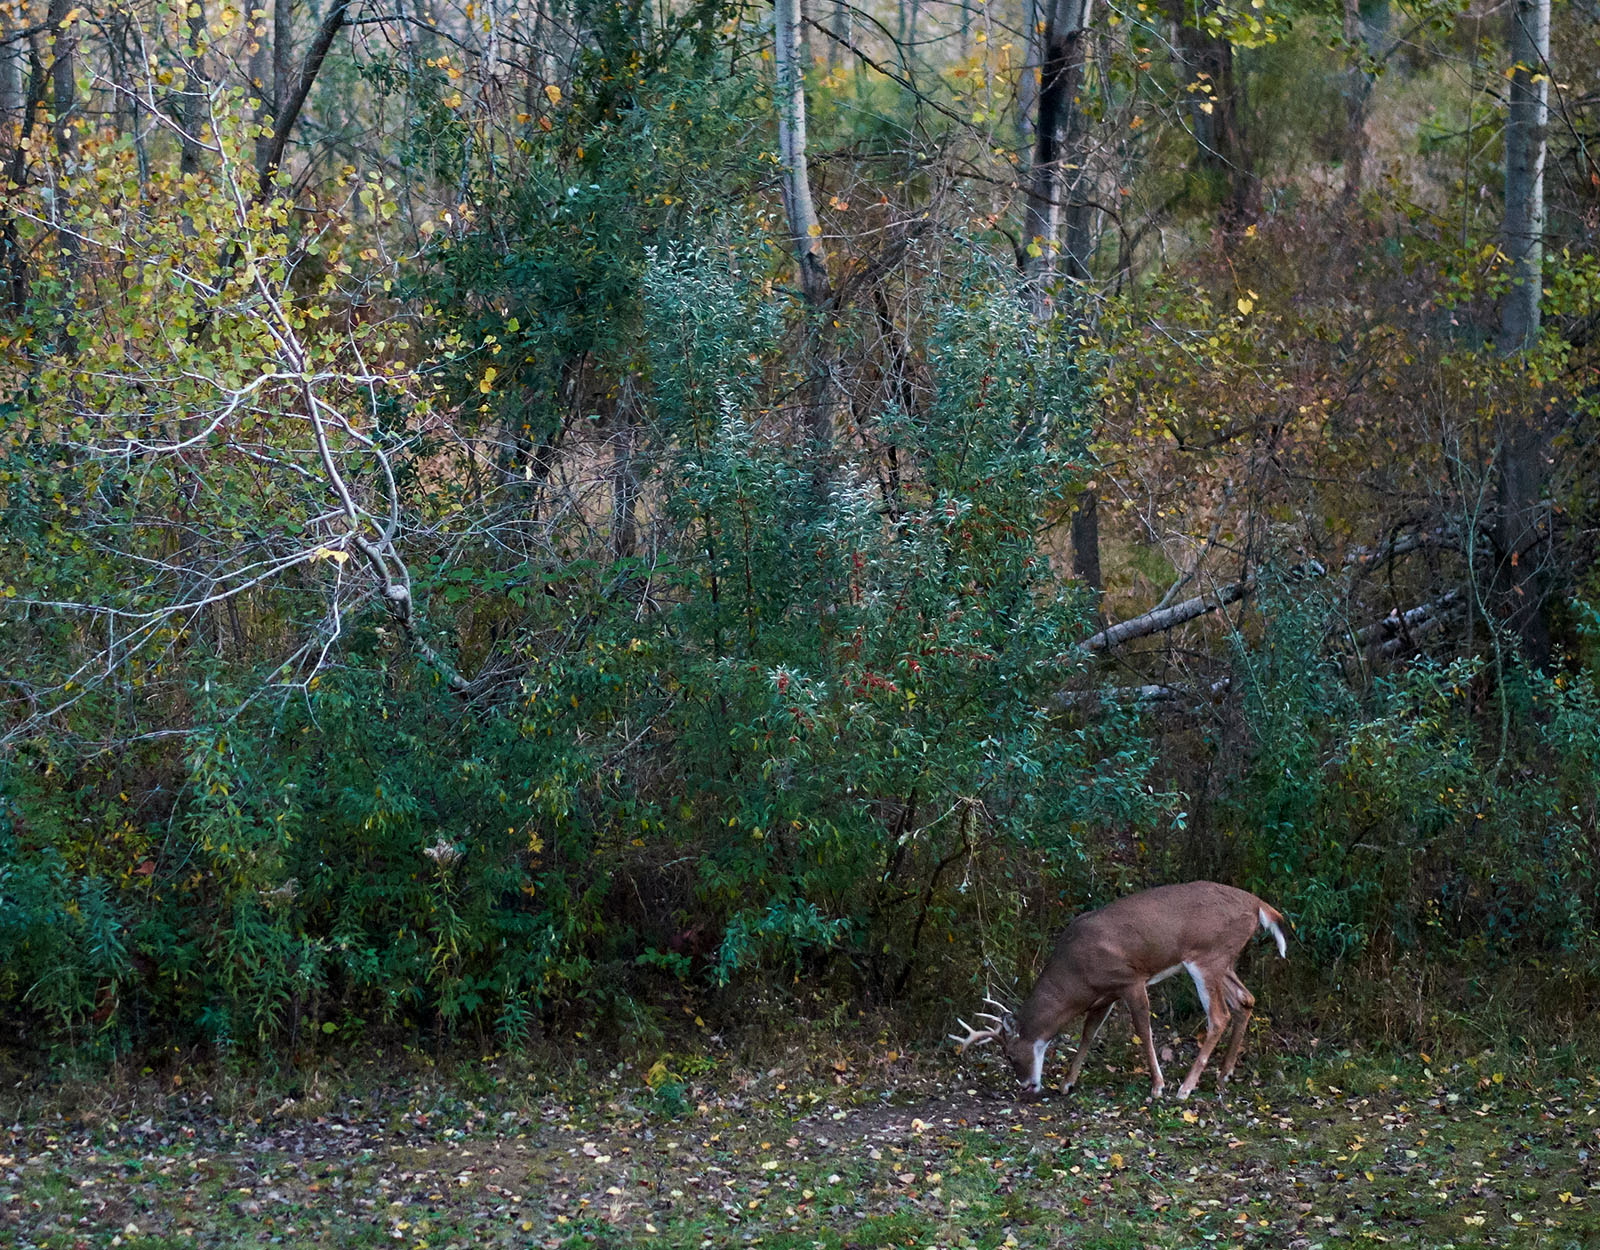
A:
[535,515]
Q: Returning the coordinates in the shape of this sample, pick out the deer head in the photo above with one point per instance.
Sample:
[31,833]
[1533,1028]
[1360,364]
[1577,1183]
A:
[1002,1025]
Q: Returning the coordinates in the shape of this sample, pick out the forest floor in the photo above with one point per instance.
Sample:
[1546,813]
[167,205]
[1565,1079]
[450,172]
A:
[875,1150]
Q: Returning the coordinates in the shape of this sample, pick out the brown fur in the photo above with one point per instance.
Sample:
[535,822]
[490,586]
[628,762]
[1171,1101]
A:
[1112,955]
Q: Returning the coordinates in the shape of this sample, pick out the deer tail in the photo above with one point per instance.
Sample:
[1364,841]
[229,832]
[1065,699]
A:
[1272,922]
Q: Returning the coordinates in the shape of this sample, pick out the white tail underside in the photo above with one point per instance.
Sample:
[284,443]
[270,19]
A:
[1271,926]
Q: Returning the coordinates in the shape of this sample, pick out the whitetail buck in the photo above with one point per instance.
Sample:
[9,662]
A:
[1115,954]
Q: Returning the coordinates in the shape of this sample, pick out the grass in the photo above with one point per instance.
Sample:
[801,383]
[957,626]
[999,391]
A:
[877,1151]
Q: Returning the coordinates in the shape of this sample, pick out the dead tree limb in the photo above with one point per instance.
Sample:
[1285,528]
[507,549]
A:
[1162,619]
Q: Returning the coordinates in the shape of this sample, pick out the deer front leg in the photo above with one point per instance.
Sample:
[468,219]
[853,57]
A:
[1091,1027]
[1137,999]
[1033,1087]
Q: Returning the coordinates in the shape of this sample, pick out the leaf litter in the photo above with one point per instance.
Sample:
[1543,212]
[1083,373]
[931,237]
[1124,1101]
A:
[1353,1152]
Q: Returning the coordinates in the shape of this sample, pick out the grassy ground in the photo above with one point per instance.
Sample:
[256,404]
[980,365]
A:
[873,1150]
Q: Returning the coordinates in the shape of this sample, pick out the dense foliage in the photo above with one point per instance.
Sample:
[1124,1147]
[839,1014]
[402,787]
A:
[461,579]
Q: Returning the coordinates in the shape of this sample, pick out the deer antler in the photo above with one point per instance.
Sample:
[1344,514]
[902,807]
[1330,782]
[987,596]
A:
[1002,1024]
[976,1037]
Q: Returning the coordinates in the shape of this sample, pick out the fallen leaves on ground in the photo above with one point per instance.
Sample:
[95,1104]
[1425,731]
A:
[1342,1153]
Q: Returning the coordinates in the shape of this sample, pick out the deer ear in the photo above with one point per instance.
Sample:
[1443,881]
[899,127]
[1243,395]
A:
[1008,1025]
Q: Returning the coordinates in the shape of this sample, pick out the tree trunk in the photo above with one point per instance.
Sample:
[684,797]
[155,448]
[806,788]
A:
[293,89]
[1206,80]
[1520,531]
[804,229]
[11,76]
[841,31]
[263,83]
[1086,541]
[1357,90]
[1061,53]
[1078,242]
[1028,87]
[196,100]
[1055,192]
[65,23]
[282,55]
[624,491]
[64,77]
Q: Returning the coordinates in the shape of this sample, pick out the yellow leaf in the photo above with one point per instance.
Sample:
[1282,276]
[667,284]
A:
[554,93]
[1499,1078]
[815,230]
[1246,305]
[1189,1117]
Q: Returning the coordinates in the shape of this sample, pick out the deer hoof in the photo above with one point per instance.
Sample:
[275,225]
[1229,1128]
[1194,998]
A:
[1030,1093]
[1066,1088]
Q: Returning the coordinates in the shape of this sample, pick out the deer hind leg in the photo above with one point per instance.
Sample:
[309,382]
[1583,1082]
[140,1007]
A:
[1137,999]
[1242,1002]
[1212,987]
[1091,1026]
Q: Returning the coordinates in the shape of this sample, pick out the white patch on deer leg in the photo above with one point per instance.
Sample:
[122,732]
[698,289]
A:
[1186,1088]
[1036,1083]
[1199,987]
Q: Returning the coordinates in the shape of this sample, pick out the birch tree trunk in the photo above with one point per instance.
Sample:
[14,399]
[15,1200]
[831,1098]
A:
[1061,45]
[1055,191]
[1520,528]
[804,229]
[1061,53]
